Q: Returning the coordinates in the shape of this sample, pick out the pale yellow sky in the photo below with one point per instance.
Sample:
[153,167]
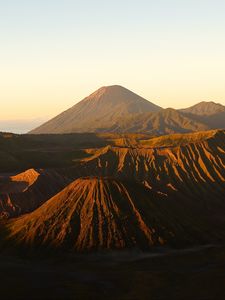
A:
[48,93]
[52,56]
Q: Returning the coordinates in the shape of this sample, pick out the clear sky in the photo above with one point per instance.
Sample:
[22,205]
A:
[54,53]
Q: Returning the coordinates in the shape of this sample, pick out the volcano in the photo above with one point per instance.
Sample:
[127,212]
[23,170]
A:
[115,109]
[165,191]
[102,213]
[98,111]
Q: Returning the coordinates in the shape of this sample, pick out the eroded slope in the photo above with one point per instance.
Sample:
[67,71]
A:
[102,213]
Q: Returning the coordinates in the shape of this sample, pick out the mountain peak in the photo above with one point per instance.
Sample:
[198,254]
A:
[114,93]
[100,110]
[113,87]
[107,90]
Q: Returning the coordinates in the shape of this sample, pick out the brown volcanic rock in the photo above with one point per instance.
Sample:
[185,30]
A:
[26,191]
[98,111]
[19,183]
[190,163]
[102,213]
[168,190]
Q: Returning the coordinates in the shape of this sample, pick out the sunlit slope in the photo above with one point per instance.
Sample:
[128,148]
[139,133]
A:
[174,162]
[101,213]
[173,140]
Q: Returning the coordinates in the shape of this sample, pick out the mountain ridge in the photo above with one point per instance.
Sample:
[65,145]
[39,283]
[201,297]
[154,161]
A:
[117,109]
[136,192]
[204,108]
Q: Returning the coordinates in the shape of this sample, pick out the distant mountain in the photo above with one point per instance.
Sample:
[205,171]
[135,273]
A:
[118,110]
[98,111]
[205,109]
[210,114]
[165,121]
